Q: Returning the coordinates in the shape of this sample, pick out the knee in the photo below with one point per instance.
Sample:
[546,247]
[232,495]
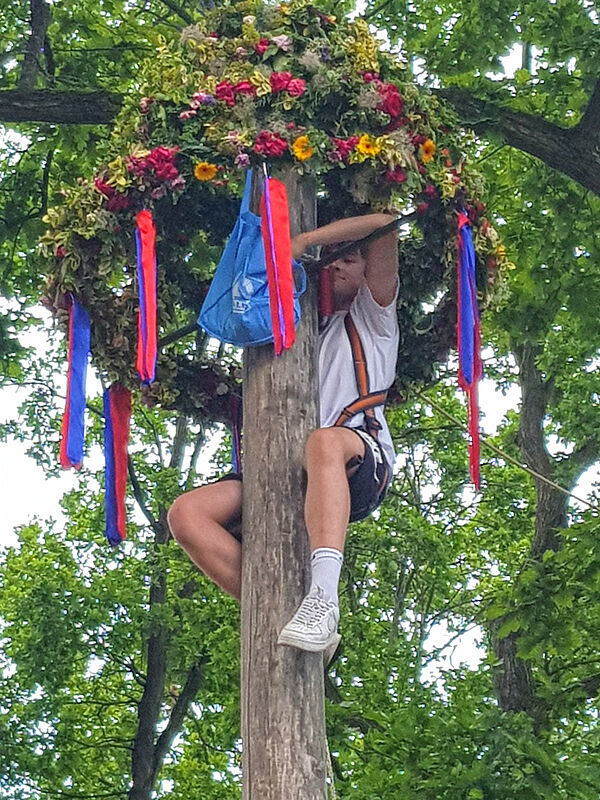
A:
[178,518]
[323,444]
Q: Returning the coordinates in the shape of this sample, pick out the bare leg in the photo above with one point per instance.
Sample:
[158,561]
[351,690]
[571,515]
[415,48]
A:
[199,521]
[327,504]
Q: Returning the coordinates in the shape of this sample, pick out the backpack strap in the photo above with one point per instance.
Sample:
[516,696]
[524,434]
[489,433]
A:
[366,401]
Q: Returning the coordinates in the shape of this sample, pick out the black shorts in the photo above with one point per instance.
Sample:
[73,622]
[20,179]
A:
[368,485]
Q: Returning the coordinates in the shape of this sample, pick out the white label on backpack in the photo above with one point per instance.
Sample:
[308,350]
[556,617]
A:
[241,294]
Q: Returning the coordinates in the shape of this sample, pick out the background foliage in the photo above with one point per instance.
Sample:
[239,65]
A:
[99,647]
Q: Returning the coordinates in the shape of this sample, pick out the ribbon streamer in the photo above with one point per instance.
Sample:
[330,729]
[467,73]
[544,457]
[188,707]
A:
[469,339]
[117,410]
[145,236]
[72,426]
[325,292]
[275,229]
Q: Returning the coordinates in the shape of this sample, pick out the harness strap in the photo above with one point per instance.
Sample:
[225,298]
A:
[366,400]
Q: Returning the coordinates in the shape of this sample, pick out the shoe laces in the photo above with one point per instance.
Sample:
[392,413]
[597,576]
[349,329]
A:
[313,608]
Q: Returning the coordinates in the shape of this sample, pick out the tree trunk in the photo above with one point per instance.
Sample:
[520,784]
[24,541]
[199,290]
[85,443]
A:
[283,728]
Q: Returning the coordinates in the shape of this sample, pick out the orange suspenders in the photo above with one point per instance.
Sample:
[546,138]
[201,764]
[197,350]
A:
[366,401]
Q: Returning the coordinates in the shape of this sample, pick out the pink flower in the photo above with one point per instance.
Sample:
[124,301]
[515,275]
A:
[391,102]
[245,87]
[159,192]
[104,188]
[242,160]
[283,42]
[224,92]
[270,144]
[344,146]
[261,46]
[279,81]
[430,191]
[177,183]
[191,112]
[296,87]
[118,202]
[396,175]
[422,209]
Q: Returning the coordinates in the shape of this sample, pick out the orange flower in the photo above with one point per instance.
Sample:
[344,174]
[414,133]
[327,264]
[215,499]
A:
[302,149]
[203,171]
[426,151]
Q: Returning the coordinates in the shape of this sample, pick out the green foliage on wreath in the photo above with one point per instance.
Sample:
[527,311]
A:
[249,84]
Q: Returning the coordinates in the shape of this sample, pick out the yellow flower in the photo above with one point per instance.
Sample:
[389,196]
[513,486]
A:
[203,171]
[426,151]
[368,145]
[302,149]
[501,251]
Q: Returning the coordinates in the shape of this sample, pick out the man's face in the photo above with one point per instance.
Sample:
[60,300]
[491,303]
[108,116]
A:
[348,275]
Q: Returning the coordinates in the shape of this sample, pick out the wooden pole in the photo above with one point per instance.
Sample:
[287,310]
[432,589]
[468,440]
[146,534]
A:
[283,726]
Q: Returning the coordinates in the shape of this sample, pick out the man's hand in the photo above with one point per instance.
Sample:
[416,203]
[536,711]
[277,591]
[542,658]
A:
[299,245]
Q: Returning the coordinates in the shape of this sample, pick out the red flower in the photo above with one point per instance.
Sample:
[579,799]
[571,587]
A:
[396,175]
[418,139]
[296,87]
[261,46]
[391,102]
[61,251]
[369,77]
[118,202]
[430,191]
[344,146]
[422,209]
[269,144]
[245,87]
[103,187]
[224,92]
[279,81]
[161,162]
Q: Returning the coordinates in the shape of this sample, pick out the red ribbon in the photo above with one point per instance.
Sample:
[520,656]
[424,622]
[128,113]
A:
[117,410]
[146,273]
[275,229]
[325,292]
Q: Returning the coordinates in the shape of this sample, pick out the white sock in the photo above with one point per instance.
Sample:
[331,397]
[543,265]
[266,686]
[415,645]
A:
[326,564]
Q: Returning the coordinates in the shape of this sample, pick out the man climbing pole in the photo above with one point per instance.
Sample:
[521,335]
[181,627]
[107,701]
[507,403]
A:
[348,460]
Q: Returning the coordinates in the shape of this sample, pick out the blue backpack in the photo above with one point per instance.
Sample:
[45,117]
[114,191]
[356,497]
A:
[236,307]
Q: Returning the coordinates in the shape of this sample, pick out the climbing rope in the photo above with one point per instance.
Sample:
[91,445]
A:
[505,456]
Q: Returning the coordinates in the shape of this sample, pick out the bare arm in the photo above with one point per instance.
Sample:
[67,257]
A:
[382,254]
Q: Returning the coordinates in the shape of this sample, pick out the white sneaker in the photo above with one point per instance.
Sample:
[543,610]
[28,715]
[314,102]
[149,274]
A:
[331,650]
[314,626]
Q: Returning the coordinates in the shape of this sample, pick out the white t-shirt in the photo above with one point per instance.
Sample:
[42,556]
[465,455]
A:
[377,327]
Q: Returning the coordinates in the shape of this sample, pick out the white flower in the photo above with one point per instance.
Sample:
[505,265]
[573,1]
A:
[283,42]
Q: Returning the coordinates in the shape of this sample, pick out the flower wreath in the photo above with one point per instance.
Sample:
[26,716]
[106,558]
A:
[247,84]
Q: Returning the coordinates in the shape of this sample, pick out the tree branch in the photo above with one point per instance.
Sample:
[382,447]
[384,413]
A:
[39,21]
[58,107]
[589,124]
[180,709]
[139,496]
[179,10]
[179,442]
[564,149]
